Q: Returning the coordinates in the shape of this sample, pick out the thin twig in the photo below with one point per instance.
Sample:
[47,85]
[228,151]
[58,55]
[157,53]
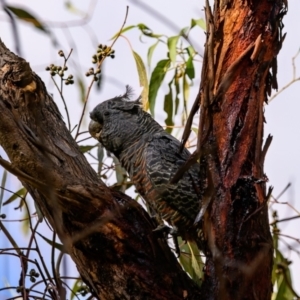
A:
[10,238]
[84,106]
[84,139]
[82,132]
[56,279]
[285,219]
[33,238]
[93,80]
[60,90]
[14,28]
[74,23]
[294,78]
[289,237]
[283,191]
[284,88]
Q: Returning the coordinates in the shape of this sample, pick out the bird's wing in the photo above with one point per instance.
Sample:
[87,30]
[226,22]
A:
[162,161]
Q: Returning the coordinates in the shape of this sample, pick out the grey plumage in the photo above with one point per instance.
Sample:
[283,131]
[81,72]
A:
[151,157]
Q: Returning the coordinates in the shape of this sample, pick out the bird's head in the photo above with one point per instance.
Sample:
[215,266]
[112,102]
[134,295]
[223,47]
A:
[119,122]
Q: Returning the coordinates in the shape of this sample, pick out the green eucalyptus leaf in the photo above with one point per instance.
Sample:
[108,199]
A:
[200,22]
[184,31]
[86,148]
[24,15]
[144,27]
[177,89]
[189,68]
[19,194]
[172,44]
[150,52]
[147,31]
[191,51]
[55,245]
[168,108]
[143,79]
[76,288]
[284,292]
[196,263]
[123,30]
[3,181]
[190,260]
[156,79]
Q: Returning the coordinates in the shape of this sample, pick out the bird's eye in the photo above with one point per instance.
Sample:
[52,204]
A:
[106,113]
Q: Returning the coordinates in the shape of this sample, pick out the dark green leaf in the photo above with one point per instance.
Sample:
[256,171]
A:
[144,27]
[55,245]
[189,68]
[176,104]
[19,194]
[150,53]
[168,108]
[87,148]
[3,181]
[157,77]
[200,22]
[177,88]
[28,17]
[172,43]
[147,31]
[143,79]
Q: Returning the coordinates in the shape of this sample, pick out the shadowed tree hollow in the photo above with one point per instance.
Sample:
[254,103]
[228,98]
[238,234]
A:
[110,236]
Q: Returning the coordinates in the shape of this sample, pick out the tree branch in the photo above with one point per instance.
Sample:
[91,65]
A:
[108,235]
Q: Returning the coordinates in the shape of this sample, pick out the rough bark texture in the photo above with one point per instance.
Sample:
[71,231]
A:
[107,234]
[243,40]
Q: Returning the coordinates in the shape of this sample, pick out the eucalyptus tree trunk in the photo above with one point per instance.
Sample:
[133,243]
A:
[239,71]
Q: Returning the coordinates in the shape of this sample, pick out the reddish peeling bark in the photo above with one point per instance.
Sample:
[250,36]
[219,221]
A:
[239,70]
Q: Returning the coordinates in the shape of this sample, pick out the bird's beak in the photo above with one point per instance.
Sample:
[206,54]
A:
[95,129]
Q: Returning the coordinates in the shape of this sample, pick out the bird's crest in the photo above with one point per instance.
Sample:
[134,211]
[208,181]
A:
[129,93]
[124,101]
